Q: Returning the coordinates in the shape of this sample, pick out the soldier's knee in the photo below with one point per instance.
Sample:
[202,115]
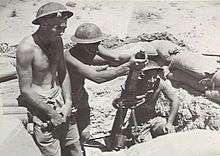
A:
[74,149]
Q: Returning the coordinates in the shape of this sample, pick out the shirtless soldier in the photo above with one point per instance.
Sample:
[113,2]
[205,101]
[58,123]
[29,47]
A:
[145,85]
[45,85]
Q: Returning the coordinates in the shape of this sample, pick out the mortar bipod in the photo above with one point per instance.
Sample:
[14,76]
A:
[118,135]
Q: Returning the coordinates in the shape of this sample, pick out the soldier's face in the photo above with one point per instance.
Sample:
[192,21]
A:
[92,47]
[56,27]
[151,76]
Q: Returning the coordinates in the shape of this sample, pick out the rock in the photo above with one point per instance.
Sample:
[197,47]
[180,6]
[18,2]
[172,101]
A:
[71,4]
[13,13]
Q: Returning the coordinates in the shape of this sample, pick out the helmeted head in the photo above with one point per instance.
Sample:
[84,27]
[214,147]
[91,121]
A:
[52,18]
[152,65]
[51,9]
[151,71]
[87,33]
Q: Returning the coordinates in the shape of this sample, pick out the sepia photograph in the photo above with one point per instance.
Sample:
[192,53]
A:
[109,78]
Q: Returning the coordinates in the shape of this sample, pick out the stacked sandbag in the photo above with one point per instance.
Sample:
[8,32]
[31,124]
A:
[196,65]
[166,49]
[194,70]
[216,80]
[186,79]
[133,48]
[214,92]
[8,102]
[190,143]
[15,112]
[10,108]
[15,140]
[7,70]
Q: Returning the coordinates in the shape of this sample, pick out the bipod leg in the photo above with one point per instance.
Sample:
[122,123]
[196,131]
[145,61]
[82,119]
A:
[117,137]
[135,130]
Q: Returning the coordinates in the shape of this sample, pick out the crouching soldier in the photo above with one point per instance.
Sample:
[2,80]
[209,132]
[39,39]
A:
[140,94]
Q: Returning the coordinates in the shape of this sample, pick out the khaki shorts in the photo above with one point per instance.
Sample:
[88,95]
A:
[52,142]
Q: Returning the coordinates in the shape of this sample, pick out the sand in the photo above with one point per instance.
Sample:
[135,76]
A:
[196,23]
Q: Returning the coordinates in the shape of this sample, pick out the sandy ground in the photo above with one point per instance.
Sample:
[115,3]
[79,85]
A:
[196,23]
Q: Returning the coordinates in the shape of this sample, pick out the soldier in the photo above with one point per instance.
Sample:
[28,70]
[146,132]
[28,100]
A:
[141,93]
[79,59]
[44,83]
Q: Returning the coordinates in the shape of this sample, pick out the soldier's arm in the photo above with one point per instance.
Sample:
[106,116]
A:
[92,73]
[123,54]
[169,93]
[65,85]
[24,59]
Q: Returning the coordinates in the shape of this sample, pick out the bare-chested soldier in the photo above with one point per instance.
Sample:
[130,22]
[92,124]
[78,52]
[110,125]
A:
[45,86]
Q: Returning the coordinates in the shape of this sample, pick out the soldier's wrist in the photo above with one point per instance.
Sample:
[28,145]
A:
[169,122]
[124,68]
[53,114]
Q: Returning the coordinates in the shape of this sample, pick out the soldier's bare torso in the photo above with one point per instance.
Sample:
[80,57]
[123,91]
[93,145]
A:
[43,71]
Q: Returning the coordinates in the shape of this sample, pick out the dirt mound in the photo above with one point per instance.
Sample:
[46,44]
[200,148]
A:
[114,42]
[197,142]
[195,112]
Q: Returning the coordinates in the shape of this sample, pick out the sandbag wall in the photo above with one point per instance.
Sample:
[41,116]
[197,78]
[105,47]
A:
[7,69]
[14,112]
[8,103]
[194,70]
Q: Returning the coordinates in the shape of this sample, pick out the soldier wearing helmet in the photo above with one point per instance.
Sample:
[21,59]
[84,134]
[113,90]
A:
[154,84]
[147,84]
[44,83]
[84,61]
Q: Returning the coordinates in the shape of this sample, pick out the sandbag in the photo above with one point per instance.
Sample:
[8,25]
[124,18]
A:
[214,92]
[190,143]
[22,117]
[15,140]
[196,65]
[7,70]
[133,48]
[8,102]
[186,79]
[166,49]
[13,110]
[216,80]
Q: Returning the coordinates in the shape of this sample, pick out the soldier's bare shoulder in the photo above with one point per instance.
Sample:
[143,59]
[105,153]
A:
[27,45]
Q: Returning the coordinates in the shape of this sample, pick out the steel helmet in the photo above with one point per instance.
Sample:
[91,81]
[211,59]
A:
[51,9]
[87,33]
[151,65]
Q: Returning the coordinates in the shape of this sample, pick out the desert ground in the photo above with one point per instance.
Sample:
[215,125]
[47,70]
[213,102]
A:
[196,23]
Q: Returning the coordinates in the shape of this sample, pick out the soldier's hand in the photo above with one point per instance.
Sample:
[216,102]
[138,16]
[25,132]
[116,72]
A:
[65,111]
[56,119]
[140,99]
[169,128]
[134,100]
[86,135]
